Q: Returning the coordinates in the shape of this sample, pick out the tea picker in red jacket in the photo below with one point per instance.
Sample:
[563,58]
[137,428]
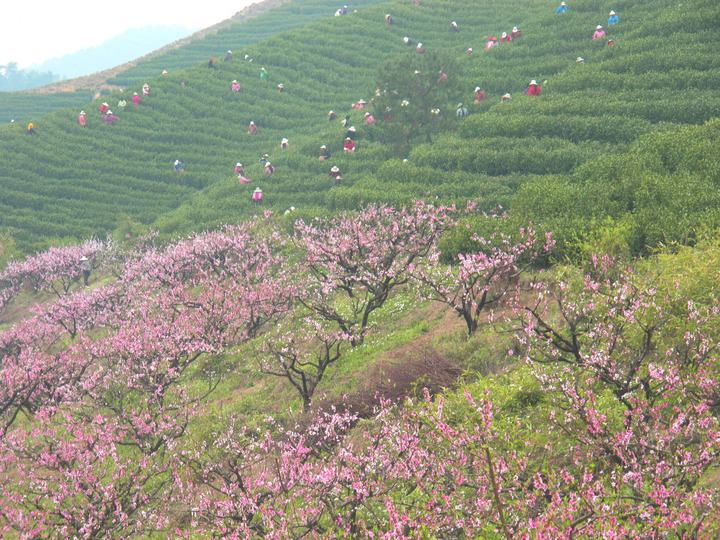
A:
[533,89]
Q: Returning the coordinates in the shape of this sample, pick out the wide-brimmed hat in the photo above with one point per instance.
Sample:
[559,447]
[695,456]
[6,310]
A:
[506,95]
[599,27]
[177,162]
[238,164]
[348,139]
[258,190]
[267,164]
[580,59]
[533,83]
[419,44]
[81,113]
[105,103]
[351,128]
[134,93]
[281,85]
[612,12]
[230,51]
[252,123]
[284,140]
[234,81]
[562,3]
[84,258]
[459,104]
[335,169]
[109,112]
[504,34]
[515,29]
[477,89]
[362,102]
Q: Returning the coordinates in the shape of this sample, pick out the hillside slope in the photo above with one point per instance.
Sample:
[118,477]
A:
[259,21]
[663,54]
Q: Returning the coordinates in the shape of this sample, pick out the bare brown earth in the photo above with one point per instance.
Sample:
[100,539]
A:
[98,81]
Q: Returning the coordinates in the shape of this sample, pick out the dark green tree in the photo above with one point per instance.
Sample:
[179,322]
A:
[413,91]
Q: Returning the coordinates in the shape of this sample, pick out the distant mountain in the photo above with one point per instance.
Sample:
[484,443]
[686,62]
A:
[122,48]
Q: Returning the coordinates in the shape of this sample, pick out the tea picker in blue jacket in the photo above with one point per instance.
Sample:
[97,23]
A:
[613,19]
[562,8]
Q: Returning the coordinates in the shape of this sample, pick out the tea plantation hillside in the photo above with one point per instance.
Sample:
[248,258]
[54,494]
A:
[660,74]
[23,106]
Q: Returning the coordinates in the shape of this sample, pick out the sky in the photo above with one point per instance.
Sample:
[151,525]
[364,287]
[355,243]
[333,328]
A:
[36,30]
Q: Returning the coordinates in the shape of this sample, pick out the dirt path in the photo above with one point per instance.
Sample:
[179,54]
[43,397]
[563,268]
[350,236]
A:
[98,81]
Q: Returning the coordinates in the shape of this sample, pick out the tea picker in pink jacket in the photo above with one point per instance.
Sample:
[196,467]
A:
[110,118]
[599,32]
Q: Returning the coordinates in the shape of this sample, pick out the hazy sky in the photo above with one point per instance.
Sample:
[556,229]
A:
[36,30]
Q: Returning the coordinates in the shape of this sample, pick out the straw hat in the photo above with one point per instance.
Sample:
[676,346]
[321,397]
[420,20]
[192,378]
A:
[284,140]
[477,89]
[504,34]
[506,96]
[562,3]
[323,146]
[335,169]
[599,26]
[177,162]
[109,112]
[81,113]
[533,83]
[234,81]
[83,258]
[105,103]
[252,123]
[362,102]
[258,190]
[238,164]
[612,12]
[515,29]
[348,139]
[580,59]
